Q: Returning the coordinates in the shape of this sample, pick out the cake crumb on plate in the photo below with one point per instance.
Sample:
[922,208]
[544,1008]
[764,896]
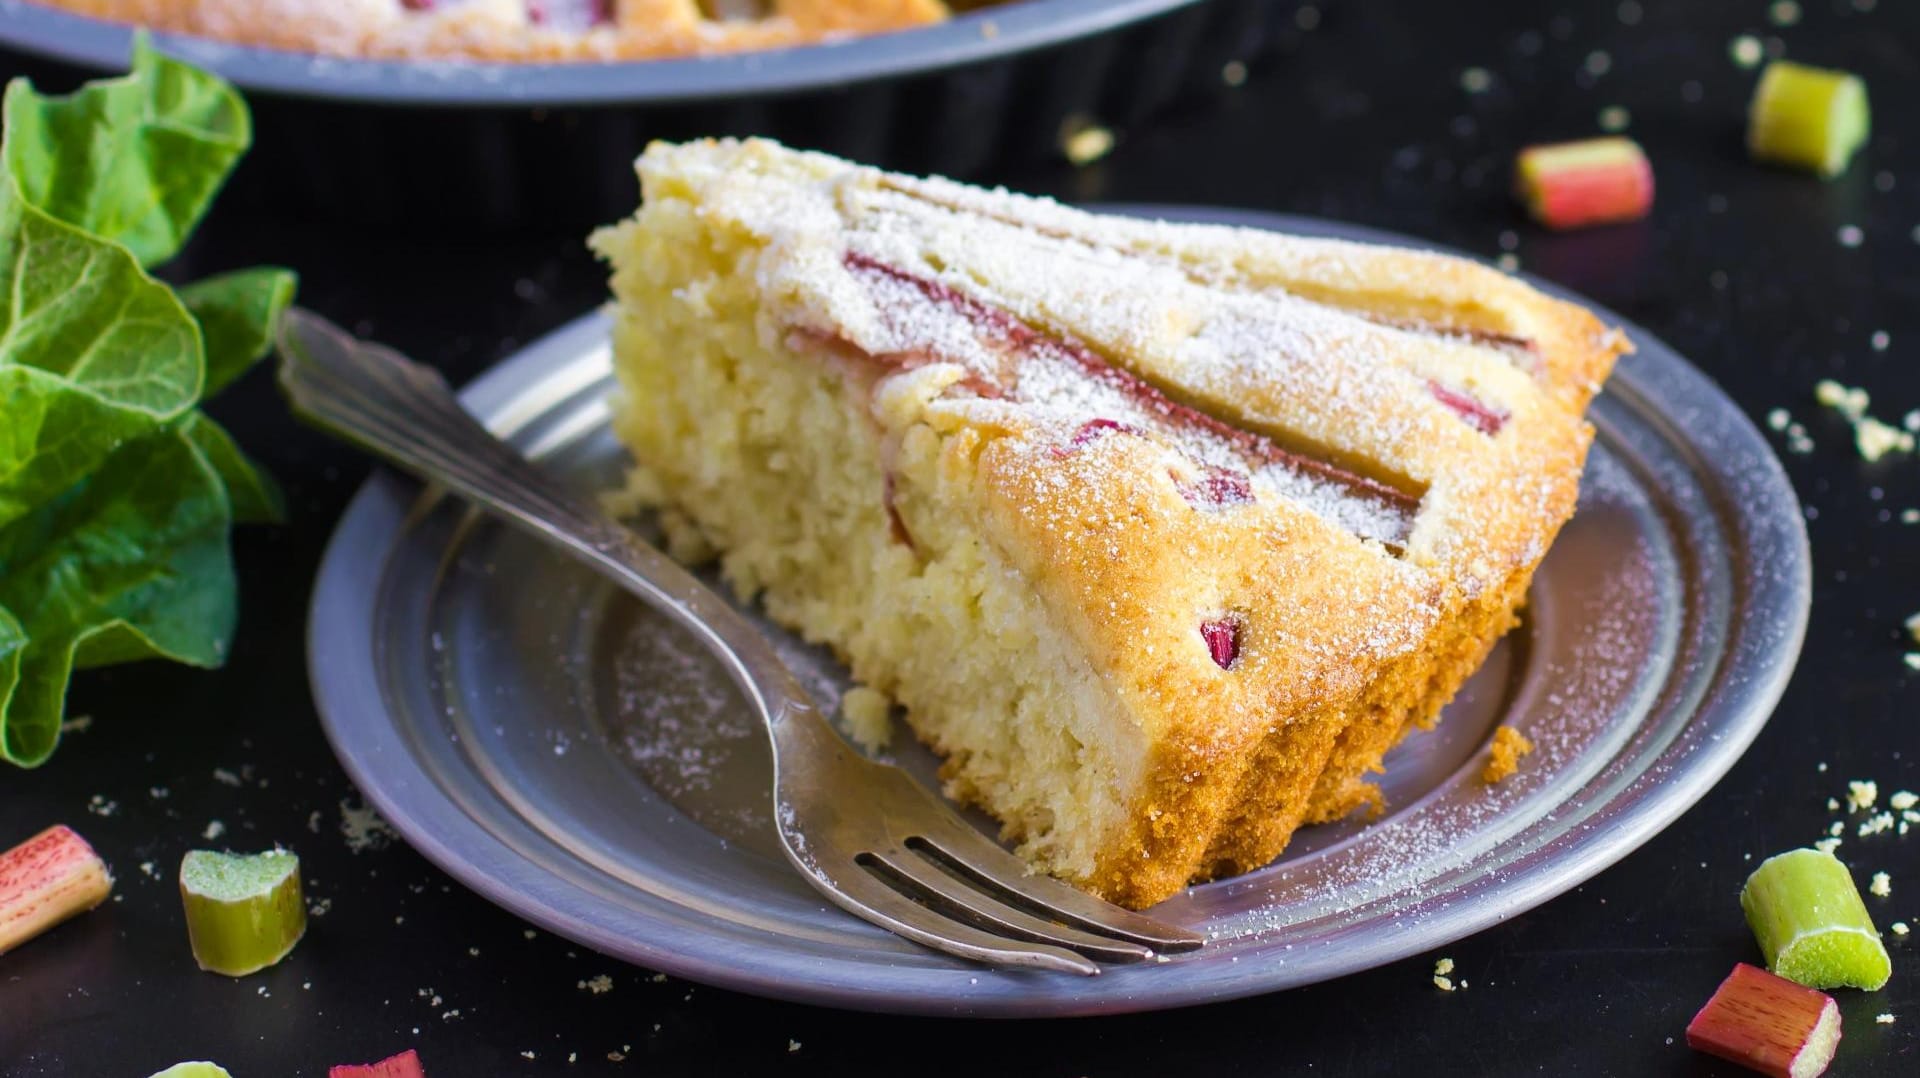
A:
[1504,753]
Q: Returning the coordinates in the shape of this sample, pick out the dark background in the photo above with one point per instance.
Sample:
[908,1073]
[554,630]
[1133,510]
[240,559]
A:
[1360,115]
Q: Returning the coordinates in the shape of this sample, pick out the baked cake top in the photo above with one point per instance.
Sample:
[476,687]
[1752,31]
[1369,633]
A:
[1426,406]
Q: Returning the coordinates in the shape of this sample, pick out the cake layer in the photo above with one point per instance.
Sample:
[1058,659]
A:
[1161,534]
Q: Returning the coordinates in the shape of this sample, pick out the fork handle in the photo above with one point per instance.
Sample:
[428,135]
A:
[404,411]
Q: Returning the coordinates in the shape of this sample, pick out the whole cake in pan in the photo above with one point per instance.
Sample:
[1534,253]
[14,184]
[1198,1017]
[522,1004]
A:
[531,30]
[1160,534]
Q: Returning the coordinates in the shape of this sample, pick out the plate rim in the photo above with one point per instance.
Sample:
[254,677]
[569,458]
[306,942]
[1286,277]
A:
[1645,803]
[964,39]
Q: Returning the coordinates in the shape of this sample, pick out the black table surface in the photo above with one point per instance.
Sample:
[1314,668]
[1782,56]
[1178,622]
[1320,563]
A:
[1362,117]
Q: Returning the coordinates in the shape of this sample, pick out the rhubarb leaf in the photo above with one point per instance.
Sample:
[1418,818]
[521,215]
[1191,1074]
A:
[131,563]
[254,496]
[237,312]
[92,352]
[116,494]
[13,642]
[134,160]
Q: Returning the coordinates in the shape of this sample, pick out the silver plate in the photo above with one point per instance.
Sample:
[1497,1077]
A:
[572,758]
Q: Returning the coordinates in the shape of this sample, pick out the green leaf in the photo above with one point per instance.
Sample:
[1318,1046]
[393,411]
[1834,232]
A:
[237,313]
[116,495]
[93,352]
[134,160]
[132,563]
[13,645]
[254,496]
[85,310]
[53,435]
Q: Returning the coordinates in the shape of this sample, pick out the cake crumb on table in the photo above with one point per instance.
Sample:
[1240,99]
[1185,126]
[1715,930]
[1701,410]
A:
[1083,142]
[1440,979]
[1882,885]
[1861,795]
[1872,437]
[1504,753]
[1884,1019]
[1899,928]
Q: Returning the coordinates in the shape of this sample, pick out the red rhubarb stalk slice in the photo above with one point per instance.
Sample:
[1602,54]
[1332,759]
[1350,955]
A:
[404,1065]
[1591,182]
[1768,1024]
[1091,430]
[1223,641]
[1478,416]
[1217,488]
[43,881]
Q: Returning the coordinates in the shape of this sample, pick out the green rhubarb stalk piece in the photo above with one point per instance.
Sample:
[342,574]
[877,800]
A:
[194,1070]
[1808,118]
[1811,923]
[244,911]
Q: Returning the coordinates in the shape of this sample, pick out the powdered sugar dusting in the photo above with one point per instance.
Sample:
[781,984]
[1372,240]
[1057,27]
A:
[1064,388]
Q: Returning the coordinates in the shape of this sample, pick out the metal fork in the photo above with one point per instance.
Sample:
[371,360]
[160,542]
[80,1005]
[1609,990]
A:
[863,833]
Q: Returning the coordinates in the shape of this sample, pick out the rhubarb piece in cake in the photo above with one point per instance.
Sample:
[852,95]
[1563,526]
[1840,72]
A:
[1160,534]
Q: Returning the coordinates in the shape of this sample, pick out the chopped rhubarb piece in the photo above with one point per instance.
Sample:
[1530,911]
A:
[1478,416]
[1768,1024]
[197,1069]
[1808,118]
[43,881]
[1592,182]
[404,1065]
[1223,641]
[1217,488]
[1094,428]
[1811,923]
[244,912]
[570,14]
[1089,431]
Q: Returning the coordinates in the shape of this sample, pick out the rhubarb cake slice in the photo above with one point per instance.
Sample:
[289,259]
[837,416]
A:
[1161,535]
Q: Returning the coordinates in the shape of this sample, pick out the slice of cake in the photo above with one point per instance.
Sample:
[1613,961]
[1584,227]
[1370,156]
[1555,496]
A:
[1160,534]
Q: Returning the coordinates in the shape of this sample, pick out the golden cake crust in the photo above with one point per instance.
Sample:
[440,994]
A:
[1350,457]
[510,30]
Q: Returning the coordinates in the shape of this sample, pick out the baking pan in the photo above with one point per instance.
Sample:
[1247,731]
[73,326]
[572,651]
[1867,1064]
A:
[500,147]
